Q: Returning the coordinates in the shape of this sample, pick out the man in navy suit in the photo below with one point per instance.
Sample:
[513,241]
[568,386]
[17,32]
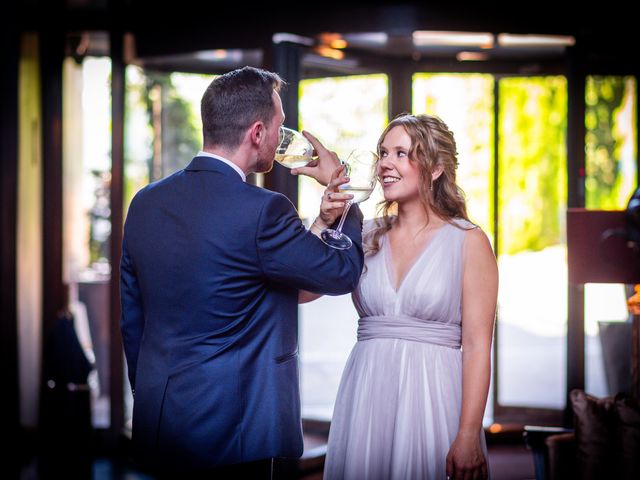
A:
[210,272]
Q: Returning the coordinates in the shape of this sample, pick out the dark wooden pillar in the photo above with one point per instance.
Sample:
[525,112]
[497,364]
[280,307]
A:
[576,130]
[287,58]
[9,400]
[116,366]
[51,56]
[400,88]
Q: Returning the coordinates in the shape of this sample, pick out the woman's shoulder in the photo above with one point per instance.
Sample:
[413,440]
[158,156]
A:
[472,235]
[464,224]
[475,240]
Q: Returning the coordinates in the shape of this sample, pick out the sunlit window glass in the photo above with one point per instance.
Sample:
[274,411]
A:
[87,216]
[610,142]
[465,103]
[532,255]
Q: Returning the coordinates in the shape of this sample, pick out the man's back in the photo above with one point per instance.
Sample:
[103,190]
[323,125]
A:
[210,273]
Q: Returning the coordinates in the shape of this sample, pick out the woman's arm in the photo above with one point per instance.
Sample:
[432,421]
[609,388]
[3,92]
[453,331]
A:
[479,298]
[331,208]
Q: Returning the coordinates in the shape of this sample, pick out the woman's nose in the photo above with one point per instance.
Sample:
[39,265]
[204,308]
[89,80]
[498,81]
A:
[385,163]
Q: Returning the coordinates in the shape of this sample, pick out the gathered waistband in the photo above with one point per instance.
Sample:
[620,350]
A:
[409,328]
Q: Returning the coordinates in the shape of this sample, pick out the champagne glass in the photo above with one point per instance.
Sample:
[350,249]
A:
[294,150]
[361,170]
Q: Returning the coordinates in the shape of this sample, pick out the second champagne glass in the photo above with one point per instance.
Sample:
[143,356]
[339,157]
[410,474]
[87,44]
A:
[361,170]
[294,149]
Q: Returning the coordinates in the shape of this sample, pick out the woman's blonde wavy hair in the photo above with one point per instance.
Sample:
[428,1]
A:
[432,145]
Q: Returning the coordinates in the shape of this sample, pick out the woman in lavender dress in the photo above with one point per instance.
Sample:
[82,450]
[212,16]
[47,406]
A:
[414,390]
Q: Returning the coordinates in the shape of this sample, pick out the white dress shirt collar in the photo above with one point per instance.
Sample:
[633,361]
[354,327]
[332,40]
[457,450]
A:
[224,160]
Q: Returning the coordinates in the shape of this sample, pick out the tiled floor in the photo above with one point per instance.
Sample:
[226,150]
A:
[511,462]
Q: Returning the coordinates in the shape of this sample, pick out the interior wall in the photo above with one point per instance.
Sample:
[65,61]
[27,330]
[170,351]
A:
[29,230]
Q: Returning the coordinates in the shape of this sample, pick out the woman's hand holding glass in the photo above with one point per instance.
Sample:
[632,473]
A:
[361,170]
[334,200]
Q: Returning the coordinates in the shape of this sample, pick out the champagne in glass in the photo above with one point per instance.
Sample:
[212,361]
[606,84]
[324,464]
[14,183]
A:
[361,170]
[360,194]
[294,150]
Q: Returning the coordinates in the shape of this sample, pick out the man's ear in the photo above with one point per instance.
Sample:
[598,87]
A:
[257,132]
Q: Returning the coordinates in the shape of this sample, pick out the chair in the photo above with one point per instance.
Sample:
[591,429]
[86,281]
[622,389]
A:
[605,442]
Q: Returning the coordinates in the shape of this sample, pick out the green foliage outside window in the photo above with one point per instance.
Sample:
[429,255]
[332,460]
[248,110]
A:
[533,162]
[163,126]
[610,141]
[180,136]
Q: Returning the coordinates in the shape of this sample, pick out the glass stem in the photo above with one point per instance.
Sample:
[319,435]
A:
[344,216]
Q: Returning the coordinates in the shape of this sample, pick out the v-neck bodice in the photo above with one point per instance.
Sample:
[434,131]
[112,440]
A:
[388,255]
[428,295]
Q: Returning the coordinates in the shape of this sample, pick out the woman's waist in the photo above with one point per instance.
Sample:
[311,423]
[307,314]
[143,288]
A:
[410,328]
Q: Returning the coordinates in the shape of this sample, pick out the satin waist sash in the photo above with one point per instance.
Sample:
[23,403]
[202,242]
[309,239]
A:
[409,328]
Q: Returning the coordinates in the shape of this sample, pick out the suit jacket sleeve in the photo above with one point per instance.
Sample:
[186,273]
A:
[132,319]
[293,256]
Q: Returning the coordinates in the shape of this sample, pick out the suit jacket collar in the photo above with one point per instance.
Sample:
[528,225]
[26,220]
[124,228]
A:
[211,164]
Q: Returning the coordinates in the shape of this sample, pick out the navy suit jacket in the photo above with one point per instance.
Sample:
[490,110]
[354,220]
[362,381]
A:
[210,272]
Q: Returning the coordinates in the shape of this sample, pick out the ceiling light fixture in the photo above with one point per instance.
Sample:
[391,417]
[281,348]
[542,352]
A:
[517,40]
[472,56]
[426,38]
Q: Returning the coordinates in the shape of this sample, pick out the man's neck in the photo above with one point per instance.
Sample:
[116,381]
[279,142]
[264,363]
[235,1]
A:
[223,158]
[237,157]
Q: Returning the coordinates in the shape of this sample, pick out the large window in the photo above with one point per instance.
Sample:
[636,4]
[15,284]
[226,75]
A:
[530,197]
